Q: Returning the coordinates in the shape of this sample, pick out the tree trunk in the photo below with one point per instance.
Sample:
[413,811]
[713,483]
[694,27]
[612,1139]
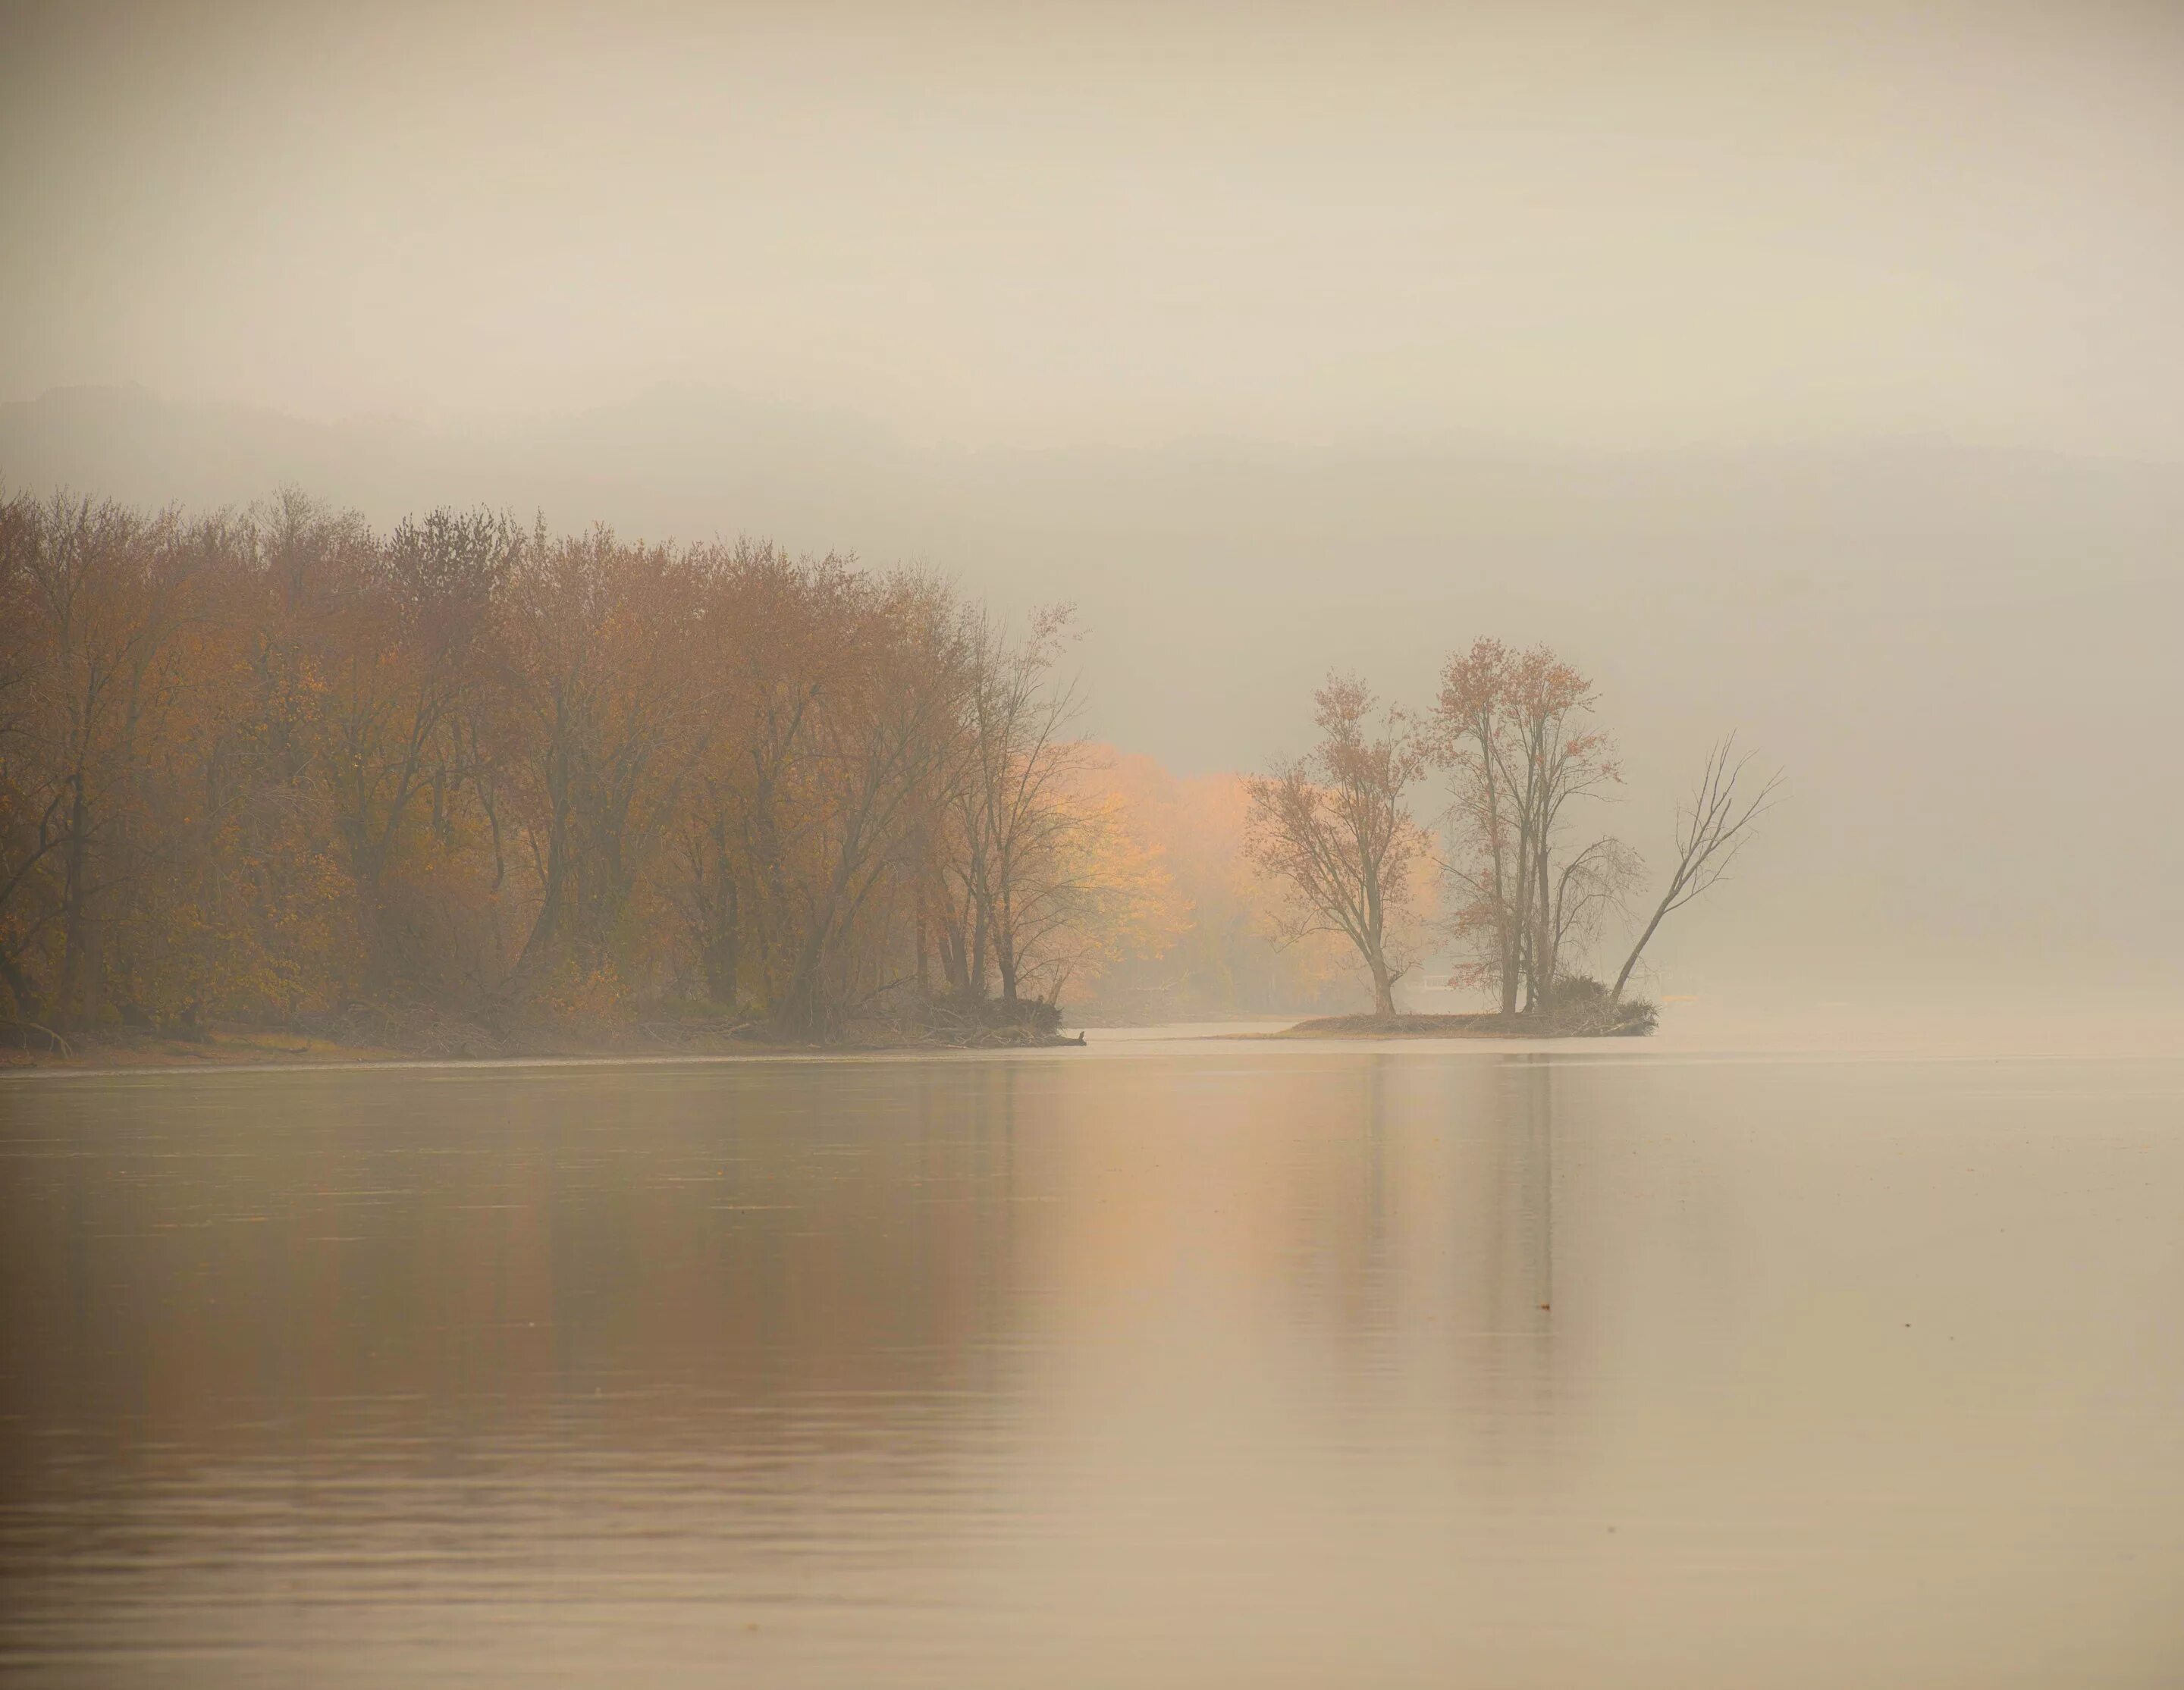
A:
[1005,950]
[28,1006]
[1383,987]
[1631,962]
[954,964]
[924,949]
[77,994]
[1544,958]
[723,948]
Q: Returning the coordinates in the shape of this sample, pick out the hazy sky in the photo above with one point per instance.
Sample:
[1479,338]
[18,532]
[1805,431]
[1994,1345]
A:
[1116,222]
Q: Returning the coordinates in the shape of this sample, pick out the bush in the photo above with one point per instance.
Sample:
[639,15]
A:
[1577,1002]
[973,1023]
[958,1013]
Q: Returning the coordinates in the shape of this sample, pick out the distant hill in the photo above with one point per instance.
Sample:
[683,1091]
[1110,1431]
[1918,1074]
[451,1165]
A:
[1408,515]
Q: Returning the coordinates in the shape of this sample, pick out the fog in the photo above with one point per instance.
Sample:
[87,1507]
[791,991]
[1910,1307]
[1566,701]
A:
[1821,381]
[804,877]
[1601,223]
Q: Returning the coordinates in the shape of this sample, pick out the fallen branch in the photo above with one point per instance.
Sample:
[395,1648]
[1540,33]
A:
[54,1042]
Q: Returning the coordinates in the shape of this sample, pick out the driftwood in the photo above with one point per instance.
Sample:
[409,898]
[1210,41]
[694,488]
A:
[25,1030]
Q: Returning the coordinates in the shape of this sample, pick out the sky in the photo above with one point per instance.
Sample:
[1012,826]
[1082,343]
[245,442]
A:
[1811,371]
[1604,225]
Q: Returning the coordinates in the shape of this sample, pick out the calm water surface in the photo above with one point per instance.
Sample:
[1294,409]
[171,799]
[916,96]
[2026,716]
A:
[1172,1366]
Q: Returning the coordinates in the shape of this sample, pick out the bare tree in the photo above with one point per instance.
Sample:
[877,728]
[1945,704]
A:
[1588,888]
[1014,802]
[1334,826]
[1710,830]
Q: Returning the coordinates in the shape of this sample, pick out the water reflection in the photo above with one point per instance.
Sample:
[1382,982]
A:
[1181,1368]
[456,1257]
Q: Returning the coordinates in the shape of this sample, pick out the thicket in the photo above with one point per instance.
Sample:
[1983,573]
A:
[280,767]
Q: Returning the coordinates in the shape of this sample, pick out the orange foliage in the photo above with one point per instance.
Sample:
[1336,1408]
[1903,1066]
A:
[278,768]
[1223,952]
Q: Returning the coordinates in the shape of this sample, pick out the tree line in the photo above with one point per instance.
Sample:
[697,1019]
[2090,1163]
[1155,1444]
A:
[281,768]
[276,765]
[1525,884]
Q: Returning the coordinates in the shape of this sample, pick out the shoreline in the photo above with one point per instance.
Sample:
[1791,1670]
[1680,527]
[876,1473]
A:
[253,1049]
[1484,1024]
[1150,1042]
[237,1049]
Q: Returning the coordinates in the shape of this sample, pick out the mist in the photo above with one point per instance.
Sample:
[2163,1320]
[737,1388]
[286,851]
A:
[970,845]
[1820,383]
[1055,225]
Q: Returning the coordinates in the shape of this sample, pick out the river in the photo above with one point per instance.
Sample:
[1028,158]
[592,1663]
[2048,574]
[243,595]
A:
[1161,1363]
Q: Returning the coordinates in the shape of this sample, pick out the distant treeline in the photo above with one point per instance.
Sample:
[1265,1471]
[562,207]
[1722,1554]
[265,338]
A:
[279,768]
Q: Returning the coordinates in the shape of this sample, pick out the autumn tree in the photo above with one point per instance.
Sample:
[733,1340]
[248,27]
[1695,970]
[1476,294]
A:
[760,645]
[883,735]
[1207,937]
[30,797]
[239,901]
[1085,890]
[1512,730]
[98,680]
[1020,858]
[1334,827]
[277,766]
[403,639]
[605,690]
[830,712]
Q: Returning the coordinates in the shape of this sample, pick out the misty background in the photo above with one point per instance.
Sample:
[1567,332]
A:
[1819,378]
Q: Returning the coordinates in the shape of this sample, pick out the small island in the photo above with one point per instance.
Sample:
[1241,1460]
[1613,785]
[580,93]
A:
[1508,881]
[1640,1020]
